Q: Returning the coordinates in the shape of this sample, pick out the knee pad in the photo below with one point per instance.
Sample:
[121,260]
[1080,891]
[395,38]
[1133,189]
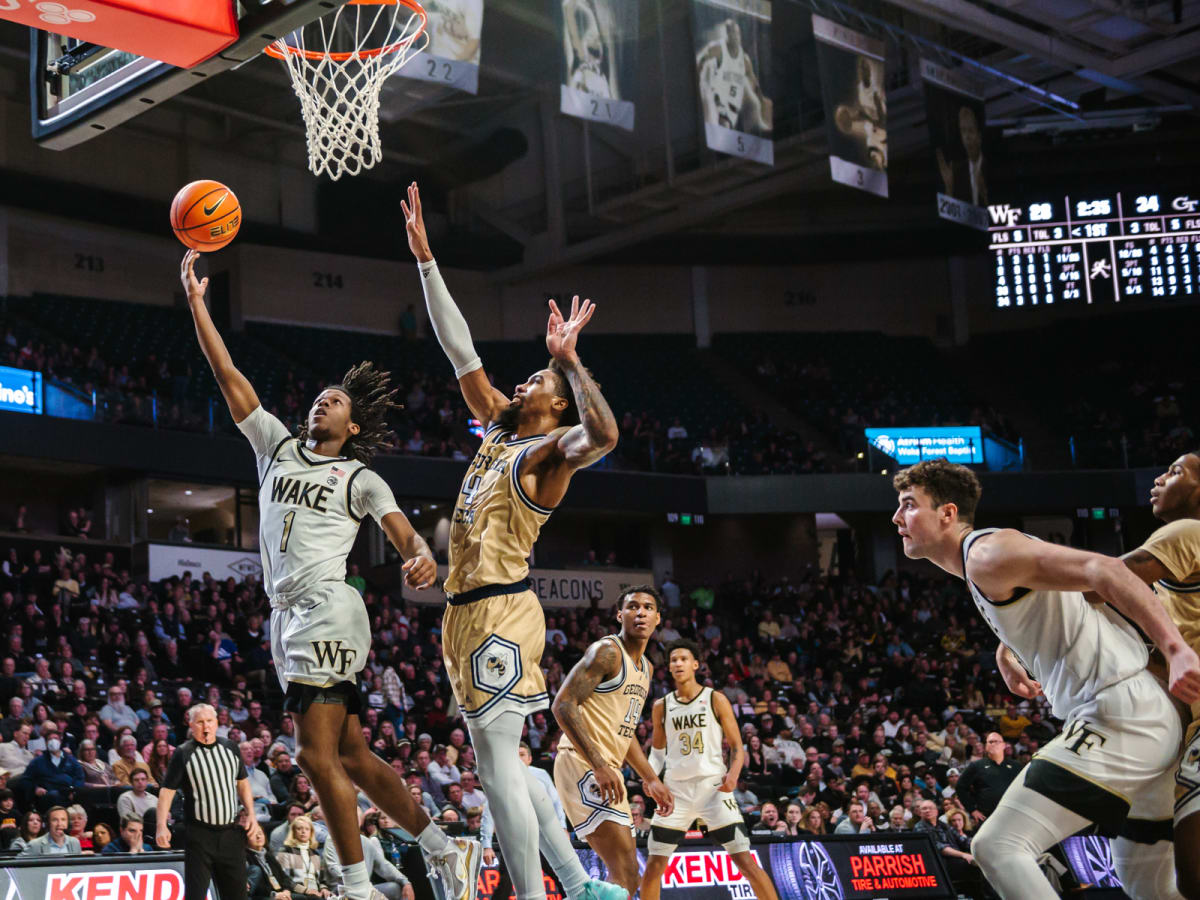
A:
[663,841]
[734,838]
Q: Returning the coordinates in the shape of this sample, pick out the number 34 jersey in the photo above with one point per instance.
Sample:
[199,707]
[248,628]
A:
[694,737]
[309,509]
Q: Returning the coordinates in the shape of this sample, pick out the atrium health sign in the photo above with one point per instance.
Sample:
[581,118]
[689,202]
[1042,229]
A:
[908,446]
[20,390]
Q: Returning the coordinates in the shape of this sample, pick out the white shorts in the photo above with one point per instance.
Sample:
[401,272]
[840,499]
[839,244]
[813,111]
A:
[1115,761]
[697,799]
[323,639]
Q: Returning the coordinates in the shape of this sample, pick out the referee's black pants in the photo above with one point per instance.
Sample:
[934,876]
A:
[217,855]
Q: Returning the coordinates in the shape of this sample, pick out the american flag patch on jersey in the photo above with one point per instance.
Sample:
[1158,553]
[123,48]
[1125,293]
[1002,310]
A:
[334,470]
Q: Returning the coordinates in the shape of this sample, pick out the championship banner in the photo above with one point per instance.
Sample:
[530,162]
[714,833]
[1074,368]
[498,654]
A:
[452,55]
[554,587]
[954,107]
[599,41]
[852,87]
[733,72]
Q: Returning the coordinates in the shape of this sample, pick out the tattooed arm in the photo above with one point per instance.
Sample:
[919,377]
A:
[601,662]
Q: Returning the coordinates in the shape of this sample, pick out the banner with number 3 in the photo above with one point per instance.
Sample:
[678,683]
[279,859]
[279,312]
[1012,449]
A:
[599,41]
[451,57]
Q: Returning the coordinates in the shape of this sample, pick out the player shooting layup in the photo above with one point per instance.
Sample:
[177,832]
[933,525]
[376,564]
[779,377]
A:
[1114,763]
[494,629]
[599,706]
[690,724]
[314,491]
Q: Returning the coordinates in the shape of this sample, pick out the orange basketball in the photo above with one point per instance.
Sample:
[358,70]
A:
[205,215]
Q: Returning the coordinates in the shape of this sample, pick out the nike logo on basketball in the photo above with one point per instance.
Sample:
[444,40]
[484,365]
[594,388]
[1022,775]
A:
[209,210]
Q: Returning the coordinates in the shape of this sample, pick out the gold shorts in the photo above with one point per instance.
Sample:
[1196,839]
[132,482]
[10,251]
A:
[581,798]
[493,650]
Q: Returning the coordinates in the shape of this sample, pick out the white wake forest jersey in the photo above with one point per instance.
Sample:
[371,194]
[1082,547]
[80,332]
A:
[309,509]
[1074,648]
[694,737]
[729,78]
[612,712]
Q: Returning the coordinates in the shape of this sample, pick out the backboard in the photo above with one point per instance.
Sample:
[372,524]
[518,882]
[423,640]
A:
[80,90]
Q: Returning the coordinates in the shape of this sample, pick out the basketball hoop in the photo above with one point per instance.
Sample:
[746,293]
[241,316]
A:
[338,67]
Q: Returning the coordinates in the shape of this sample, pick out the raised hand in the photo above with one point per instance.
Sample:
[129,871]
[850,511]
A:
[414,224]
[561,333]
[187,275]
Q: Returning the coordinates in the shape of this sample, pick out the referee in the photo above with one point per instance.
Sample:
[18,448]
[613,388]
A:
[210,772]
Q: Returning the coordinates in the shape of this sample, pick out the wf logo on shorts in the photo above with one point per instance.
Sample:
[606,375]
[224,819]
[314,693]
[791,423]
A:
[334,655]
[1080,736]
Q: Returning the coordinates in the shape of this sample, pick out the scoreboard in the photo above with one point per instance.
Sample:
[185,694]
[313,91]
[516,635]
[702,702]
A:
[1096,249]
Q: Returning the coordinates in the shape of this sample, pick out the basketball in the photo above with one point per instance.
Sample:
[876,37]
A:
[205,215]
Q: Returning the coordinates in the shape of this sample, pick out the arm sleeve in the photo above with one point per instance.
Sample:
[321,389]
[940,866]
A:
[448,323]
[263,431]
[370,495]
[173,779]
[1177,546]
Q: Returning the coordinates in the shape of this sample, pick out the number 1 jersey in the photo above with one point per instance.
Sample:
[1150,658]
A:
[309,509]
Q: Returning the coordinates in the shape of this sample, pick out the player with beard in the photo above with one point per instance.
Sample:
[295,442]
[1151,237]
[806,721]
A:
[1114,763]
[314,491]
[599,706]
[494,630]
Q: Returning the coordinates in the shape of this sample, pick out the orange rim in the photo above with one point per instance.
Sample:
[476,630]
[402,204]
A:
[272,49]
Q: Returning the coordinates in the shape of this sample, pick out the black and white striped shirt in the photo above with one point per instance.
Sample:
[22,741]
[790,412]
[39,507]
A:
[208,775]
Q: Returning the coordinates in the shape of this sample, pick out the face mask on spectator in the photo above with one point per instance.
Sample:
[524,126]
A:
[54,745]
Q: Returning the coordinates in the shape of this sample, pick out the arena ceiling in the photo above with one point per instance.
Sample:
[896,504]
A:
[1125,72]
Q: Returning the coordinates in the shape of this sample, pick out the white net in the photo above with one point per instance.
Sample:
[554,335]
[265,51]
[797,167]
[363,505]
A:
[338,66]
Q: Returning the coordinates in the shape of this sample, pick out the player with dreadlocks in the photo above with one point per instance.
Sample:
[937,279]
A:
[314,491]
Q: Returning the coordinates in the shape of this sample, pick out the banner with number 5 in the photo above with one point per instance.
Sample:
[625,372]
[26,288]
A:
[452,55]
[733,73]
[599,42]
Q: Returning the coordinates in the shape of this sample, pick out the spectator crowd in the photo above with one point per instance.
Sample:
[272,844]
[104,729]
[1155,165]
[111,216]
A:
[863,708]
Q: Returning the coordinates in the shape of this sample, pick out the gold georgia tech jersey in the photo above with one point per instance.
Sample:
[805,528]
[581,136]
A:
[495,523]
[614,709]
[1177,546]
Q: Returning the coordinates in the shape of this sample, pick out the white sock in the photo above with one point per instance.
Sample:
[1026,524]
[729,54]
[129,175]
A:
[502,773]
[433,840]
[357,881]
[553,840]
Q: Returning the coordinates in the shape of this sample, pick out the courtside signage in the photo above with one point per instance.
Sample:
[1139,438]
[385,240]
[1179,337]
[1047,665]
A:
[959,444]
[20,390]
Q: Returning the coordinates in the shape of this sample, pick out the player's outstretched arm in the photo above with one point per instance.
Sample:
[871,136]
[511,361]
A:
[1007,560]
[236,389]
[597,432]
[733,737]
[420,568]
[601,662]
[650,780]
[484,401]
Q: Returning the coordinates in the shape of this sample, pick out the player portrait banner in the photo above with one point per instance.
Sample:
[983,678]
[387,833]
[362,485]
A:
[599,65]
[954,107]
[452,55]
[733,76]
[851,66]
